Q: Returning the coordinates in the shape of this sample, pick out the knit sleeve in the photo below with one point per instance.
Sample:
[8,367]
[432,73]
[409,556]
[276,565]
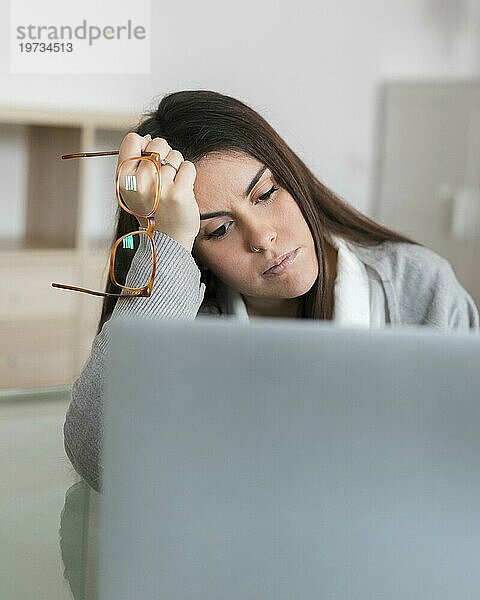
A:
[462,311]
[177,294]
[429,292]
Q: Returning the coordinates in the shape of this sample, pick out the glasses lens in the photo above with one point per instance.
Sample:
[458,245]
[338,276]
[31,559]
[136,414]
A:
[138,183]
[129,245]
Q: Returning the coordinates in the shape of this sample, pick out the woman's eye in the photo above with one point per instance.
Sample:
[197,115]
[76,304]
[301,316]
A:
[267,196]
[223,230]
[220,232]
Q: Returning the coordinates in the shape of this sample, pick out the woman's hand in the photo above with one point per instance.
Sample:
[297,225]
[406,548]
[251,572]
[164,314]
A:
[177,214]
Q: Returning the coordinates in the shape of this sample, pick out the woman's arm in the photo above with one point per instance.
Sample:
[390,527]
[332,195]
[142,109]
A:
[177,294]
[428,290]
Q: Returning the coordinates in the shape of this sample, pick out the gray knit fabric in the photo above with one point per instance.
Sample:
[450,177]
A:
[420,289]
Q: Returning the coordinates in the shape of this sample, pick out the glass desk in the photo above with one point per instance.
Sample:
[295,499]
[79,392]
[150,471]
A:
[48,526]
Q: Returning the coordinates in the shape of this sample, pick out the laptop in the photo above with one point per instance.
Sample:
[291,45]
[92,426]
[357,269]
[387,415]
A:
[289,459]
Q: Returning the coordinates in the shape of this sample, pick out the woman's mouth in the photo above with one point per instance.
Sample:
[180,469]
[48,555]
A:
[283,266]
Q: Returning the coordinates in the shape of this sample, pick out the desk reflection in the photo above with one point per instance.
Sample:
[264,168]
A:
[79,540]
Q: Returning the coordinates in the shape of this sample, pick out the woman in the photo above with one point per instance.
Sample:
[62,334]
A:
[245,229]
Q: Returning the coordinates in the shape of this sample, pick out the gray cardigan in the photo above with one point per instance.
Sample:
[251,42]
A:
[420,289]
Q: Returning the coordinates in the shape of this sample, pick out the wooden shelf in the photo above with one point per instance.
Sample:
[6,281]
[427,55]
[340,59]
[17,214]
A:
[57,226]
[53,187]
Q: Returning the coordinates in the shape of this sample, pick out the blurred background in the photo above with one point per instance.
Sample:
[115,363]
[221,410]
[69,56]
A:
[381,99]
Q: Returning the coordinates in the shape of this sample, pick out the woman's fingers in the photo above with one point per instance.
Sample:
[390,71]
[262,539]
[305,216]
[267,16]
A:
[168,172]
[136,188]
[177,214]
[132,146]
[138,178]
[185,177]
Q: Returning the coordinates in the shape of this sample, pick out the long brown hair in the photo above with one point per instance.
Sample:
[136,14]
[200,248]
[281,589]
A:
[201,122]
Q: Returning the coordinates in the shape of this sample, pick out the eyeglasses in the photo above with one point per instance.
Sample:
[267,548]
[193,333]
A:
[137,188]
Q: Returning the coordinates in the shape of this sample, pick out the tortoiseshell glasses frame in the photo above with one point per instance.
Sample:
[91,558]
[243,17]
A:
[128,292]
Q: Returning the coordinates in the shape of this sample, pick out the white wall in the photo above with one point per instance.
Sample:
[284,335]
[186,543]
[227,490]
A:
[312,68]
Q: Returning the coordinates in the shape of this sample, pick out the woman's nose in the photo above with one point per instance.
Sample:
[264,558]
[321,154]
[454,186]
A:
[261,236]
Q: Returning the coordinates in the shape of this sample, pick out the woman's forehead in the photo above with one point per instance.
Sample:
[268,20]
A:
[224,176]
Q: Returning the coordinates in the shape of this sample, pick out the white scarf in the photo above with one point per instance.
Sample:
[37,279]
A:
[352,289]
[352,292]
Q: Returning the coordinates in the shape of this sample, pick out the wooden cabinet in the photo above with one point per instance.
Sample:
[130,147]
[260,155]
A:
[56,224]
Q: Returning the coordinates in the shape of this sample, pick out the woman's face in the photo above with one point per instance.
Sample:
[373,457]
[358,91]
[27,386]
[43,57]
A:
[261,215]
